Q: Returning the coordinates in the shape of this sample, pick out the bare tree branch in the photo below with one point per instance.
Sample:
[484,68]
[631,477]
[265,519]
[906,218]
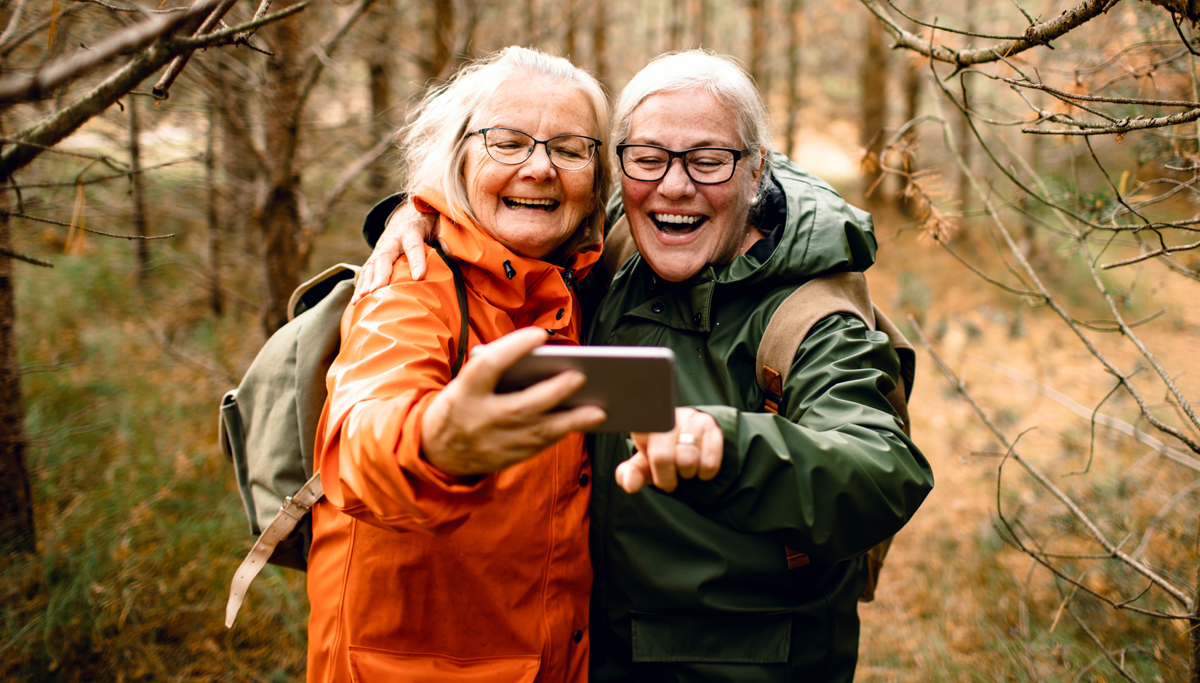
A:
[22,257]
[13,21]
[1094,531]
[176,66]
[21,87]
[66,121]
[1034,36]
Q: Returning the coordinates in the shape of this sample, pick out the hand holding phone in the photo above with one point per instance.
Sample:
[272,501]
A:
[635,385]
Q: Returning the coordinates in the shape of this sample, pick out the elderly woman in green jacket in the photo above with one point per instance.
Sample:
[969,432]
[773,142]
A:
[692,578]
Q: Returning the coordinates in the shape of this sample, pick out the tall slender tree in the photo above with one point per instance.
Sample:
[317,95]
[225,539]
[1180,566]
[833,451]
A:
[279,216]
[138,187]
[212,190]
[16,514]
[600,41]
[873,72]
[795,20]
[380,70]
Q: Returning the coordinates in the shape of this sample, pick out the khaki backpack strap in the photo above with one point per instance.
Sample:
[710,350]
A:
[619,247]
[815,300]
[293,510]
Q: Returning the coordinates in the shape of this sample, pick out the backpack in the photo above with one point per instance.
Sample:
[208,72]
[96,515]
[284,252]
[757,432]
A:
[268,425]
[815,300]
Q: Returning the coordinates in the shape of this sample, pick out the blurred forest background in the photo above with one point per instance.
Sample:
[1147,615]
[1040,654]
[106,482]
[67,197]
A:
[171,172]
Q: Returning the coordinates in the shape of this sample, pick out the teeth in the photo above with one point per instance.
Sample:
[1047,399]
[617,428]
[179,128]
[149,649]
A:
[674,218]
[531,202]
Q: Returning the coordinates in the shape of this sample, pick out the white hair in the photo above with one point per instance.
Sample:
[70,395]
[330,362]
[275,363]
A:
[434,142]
[720,75]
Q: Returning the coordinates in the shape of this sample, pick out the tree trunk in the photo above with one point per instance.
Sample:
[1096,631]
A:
[701,23]
[874,110]
[795,17]
[572,28]
[16,513]
[600,42]
[279,219]
[676,27]
[139,191]
[241,170]
[441,39]
[380,68]
[530,12]
[214,215]
[758,44]
[912,107]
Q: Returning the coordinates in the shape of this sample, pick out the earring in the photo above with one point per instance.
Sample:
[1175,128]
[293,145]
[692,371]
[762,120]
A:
[754,200]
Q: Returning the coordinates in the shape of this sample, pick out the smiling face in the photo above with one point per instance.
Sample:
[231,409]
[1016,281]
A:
[680,226]
[532,207]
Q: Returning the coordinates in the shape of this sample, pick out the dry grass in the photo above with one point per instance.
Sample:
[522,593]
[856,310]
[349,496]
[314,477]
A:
[950,603]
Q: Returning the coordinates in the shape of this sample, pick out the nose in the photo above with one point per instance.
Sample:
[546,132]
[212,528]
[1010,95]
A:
[676,184]
[538,167]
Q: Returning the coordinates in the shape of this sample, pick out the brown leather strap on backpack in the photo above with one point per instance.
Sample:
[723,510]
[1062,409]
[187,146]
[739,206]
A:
[815,300]
[812,302]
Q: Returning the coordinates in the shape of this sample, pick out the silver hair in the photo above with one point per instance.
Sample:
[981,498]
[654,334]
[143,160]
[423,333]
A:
[434,142]
[720,75]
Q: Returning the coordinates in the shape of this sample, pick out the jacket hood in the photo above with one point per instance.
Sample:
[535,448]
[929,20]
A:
[531,290]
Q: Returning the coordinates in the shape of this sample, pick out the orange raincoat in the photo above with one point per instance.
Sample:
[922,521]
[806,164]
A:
[415,575]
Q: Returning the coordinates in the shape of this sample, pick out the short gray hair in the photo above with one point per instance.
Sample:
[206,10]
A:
[434,142]
[720,75]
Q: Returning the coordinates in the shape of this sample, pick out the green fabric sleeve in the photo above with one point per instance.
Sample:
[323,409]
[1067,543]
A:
[835,474]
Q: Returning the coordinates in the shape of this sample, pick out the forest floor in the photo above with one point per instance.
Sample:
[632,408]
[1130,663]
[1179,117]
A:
[140,525]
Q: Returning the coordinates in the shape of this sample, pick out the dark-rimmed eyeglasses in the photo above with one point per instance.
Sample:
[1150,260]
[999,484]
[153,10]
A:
[704,165]
[512,147]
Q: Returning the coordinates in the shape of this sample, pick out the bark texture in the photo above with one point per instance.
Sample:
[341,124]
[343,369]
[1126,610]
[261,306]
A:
[279,218]
[139,191]
[215,298]
[874,79]
[16,513]
[791,135]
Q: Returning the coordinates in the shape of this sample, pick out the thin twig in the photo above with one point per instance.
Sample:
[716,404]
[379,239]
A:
[1174,591]
[4,251]
[21,87]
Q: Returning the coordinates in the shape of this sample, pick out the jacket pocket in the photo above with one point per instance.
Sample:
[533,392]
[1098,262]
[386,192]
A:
[742,638]
[368,665]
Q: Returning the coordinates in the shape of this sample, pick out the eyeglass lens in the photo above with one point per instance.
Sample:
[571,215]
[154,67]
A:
[704,164]
[568,152]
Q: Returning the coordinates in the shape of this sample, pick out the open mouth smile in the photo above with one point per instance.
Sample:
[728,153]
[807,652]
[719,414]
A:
[677,224]
[547,205]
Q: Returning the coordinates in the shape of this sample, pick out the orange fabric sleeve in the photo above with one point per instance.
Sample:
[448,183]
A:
[393,362]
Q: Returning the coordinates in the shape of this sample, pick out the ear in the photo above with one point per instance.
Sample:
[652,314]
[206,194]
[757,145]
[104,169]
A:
[756,173]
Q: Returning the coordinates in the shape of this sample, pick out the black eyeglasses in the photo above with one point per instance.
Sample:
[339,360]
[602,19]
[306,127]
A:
[704,165]
[512,147]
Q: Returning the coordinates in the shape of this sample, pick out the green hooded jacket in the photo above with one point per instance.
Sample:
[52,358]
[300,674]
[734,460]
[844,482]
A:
[694,585]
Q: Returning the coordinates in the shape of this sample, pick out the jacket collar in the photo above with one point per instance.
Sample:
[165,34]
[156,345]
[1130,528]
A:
[531,291]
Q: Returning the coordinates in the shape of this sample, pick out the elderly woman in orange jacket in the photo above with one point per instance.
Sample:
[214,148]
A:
[444,549]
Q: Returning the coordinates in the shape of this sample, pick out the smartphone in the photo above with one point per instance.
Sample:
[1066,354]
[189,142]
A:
[635,385]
